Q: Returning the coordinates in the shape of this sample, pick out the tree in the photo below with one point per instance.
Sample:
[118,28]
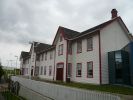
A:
[1,71]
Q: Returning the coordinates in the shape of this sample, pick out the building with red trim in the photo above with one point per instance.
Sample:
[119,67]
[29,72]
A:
[77,56]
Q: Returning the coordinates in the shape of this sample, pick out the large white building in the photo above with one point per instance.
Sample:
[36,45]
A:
[77,56]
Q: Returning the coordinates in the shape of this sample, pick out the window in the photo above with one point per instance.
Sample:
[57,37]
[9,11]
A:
[50,70]
[36,70]
[79,69]
[69,70]
[46,56]
[61,38]
[79,46]
[89,44]
[45,70]
[42,57]
[69,48]
[90,69]
[41,71]
[33,59]
[60,49]
[51,55]
[37,57]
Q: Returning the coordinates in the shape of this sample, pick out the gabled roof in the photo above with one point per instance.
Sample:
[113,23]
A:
[40,46]
[24,54]
[71,34]
[67,33]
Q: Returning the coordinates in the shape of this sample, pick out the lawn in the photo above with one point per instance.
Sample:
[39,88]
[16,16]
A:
[10,96]
[118,89]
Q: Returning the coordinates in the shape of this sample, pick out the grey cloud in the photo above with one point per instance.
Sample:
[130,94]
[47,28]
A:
[22,21]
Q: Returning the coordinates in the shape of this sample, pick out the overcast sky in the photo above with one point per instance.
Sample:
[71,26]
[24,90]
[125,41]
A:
[22,21]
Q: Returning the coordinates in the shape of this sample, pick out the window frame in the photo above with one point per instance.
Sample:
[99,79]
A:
[79,41]
[61,38]
[88,76]
[91,48]
[45,56]
[60,49]
[70,70]
[77,70]
[50,70]
[70,48]
[45,70]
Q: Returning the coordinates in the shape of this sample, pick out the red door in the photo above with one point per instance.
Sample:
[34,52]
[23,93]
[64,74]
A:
[59,72]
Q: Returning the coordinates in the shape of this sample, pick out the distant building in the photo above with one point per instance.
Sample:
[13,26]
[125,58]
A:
[78,56]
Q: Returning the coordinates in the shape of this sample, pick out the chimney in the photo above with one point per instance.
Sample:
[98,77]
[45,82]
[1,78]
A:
[114,13]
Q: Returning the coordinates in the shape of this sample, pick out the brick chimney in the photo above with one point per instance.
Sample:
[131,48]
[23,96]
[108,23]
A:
[114,13]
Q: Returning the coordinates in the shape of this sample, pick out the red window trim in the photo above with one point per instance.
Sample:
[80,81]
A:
[70,69]
[92,44]
[81,70]
[45,56]
[92,69]
[77,46]
[49,71]
[59,50]
[45,67]
[61,37]
[70,50]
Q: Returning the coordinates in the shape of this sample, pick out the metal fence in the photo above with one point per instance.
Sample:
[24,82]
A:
[58,92]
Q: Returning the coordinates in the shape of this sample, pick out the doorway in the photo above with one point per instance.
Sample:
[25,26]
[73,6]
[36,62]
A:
[59,71]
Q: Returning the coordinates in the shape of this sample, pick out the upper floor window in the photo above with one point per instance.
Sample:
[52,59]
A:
[89,44]
[69,48]
[79,46]
[90,69]
[45,70]
[33,58]
[37,57]
[60,49]
[61,38]
[50,70]
[51,55]
[42,57]
[79,70]
[46,56]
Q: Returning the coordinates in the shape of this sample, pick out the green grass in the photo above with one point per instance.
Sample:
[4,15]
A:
[104,88]
[10,96]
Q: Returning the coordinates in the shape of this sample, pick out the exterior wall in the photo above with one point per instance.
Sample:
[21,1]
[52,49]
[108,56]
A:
[84,57]
[33,59]
[25,66]
[113,38]
[61,58]
[47,63]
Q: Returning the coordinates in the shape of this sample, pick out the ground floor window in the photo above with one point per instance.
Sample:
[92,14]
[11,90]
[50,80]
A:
[69,70]
[50,70]
[79,70]
[45,70]
[90,69]
[41,70]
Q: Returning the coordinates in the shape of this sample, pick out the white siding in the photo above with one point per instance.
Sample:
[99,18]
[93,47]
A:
[47,63]
[84,57]
[112,38]
[61,58]
[25,66]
